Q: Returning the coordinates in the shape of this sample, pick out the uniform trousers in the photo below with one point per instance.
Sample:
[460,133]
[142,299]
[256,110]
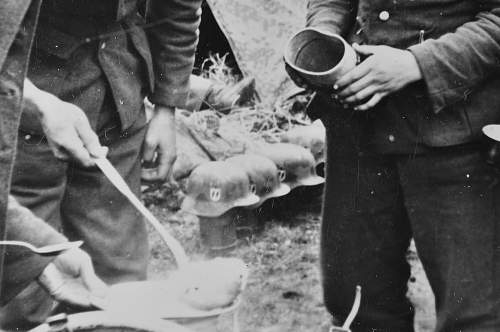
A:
[447,199]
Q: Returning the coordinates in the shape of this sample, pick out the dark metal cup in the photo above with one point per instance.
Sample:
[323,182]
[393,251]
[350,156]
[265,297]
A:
[319,57]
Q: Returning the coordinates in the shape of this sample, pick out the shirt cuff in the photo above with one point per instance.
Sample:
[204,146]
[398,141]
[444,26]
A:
[169,97]
[441,94]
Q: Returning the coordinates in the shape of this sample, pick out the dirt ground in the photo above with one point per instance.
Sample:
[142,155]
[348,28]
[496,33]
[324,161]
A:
[284,291]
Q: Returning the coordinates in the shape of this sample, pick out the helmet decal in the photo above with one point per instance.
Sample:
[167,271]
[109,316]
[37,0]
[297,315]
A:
[215,194]
[281,175]
[253,188]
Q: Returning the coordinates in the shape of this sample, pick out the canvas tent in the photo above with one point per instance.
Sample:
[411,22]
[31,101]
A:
[257,32]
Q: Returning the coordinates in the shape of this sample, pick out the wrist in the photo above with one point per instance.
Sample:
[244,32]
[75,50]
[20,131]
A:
[165,113]
[413,69]
[170,110]
[42,101]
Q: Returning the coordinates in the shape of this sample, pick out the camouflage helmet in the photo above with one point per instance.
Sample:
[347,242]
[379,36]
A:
[297,162]
[311,137]
[215,187]
[262,173]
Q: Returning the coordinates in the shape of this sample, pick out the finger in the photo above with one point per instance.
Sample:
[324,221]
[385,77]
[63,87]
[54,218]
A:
[58,152]
[89,139]
[355,87]
[365,49]
[370,103]
[73,294]
[161,172]
[148,174]
[149,149]
[353,75]
[361,95]
[165,166]
[95,286]
[77,151]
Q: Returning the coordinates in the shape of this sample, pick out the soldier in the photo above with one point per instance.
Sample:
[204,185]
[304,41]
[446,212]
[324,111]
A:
[20,267]
[405,159]
[105,57]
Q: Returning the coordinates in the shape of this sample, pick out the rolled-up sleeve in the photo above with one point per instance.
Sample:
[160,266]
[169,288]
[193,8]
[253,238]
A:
[173,37]
[454,64]
[333,16]
[21,266]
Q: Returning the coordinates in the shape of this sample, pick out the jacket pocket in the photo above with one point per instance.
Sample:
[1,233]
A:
[449,127]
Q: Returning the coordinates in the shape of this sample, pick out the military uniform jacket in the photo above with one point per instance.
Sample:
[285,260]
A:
[17,267]
[457,46]
[135,47]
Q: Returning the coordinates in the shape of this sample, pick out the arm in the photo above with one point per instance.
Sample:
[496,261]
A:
[457,62]
[22,266]
[333,16]
[68,277]
[65,126]
[173,44]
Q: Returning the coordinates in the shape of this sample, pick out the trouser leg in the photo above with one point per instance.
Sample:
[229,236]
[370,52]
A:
[453,202]
[114,233]
[364,237]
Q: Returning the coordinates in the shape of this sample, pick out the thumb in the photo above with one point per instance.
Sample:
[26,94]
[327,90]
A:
[365,49]
[94,285]
[90,140]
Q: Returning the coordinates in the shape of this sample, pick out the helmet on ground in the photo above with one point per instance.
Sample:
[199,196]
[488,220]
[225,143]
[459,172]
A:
[311,137]
[262,173]
[297,162]
[215,187]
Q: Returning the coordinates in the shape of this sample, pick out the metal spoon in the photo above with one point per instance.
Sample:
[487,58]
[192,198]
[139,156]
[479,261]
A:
[52,249]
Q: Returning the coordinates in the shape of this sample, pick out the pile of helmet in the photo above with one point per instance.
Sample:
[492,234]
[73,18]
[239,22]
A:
[247,180]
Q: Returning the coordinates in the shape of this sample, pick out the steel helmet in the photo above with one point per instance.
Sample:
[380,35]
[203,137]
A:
[311,137]
[215,187]
[262,173]
[296,161]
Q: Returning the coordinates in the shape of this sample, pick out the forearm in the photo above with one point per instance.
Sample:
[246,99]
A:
[22,266]
[454,64]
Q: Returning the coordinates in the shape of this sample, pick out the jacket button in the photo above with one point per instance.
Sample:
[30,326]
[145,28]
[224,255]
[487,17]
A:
[383,15]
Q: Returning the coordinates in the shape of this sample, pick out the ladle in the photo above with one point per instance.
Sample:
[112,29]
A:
[116,179]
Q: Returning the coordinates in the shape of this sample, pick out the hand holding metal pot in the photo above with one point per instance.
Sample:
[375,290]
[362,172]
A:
[325,62]
[385,70]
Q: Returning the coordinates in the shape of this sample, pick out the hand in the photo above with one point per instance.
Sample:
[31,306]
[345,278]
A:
[384,71]
[71,279]
[66,127]
[160,147]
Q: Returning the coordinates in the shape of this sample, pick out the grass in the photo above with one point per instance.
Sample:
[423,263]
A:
[284,291]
